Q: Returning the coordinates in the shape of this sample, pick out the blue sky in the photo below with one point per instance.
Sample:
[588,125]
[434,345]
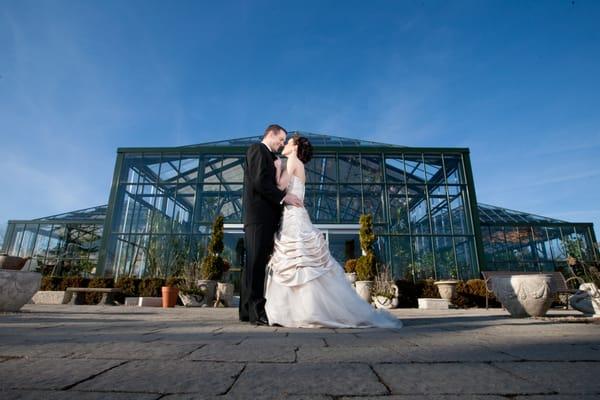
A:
[517,82]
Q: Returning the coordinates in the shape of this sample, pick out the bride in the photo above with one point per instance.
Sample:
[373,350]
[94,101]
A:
[306,287]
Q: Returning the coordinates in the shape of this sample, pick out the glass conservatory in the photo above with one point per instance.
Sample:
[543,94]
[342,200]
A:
[423,202]
[60,244]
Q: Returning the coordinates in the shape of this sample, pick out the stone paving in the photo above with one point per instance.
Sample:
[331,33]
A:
[95,352]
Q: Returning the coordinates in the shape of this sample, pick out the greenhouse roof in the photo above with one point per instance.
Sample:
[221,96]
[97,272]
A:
[97,213]
[315,138]
[494,215]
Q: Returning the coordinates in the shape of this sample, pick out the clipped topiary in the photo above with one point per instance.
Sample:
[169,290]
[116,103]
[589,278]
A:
[366,267]
[212,268]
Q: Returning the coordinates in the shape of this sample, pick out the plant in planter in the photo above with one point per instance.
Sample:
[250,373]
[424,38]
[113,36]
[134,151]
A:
[366,264]
[385,291]
[447,287]
[350,270]
[224,293]
[212,266]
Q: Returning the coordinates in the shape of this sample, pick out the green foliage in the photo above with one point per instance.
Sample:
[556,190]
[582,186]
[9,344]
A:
[94,298]
[427,289]
[366,267]
[212,267]
[129,284]
[151,287]
[73,281]
[468,294]
[175,281]
[366,233]
[51,283]
[165,253]
[350,265]
[216,240]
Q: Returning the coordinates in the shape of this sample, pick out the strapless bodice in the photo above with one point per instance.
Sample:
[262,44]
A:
[296,187]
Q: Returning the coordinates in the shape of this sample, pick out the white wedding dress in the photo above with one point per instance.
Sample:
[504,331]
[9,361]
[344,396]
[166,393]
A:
[306,287]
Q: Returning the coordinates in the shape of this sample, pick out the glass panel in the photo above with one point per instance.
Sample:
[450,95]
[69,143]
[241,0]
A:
[212,167]
[423,265]
[169,169]
[208,203]
[350,203]
[394,170]
[440,216]
[188,170]
[29,235]
[400,252]
[444,258]
[372,171]
[418,212]
[231,203]
[349,166]
[454,170]
[434,168]
[17,237]
[373,202]
[343,246]
[321,202]
[466,257]
[398,208]
[233,170]
[415,170]
[321,170]
[458,211]
[41,244]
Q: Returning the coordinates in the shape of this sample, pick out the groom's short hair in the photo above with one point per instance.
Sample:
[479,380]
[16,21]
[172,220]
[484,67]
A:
[275,129]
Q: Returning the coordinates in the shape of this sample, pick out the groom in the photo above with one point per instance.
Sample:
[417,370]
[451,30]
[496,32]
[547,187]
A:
[262,211]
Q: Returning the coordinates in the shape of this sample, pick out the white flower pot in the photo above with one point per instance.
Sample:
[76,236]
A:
[210,288]
[364,288]
[447,289]
[192,300]
[524,295]
[385,302]
[351,276]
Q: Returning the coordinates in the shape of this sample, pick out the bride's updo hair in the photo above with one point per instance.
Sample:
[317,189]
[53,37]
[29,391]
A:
[305,150]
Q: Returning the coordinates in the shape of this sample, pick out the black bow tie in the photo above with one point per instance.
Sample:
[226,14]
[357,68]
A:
[274,156]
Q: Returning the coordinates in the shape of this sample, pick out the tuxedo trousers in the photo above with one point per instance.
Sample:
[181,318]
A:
[259,240]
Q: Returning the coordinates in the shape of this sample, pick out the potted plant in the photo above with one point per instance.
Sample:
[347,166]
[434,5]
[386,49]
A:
[385,291]
[350,270]
[447,287]
[365,265]
[212,266]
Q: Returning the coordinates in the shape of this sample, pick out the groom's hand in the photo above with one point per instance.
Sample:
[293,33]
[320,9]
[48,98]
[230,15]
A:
[293,200]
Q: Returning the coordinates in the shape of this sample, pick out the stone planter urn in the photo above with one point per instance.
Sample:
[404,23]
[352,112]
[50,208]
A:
[192,300]
[17,288]
[447,289]
[224,294]
[351,276]
[587,299]
[524,295]
[364,289]
[210,288]
[12,262]
[387,302]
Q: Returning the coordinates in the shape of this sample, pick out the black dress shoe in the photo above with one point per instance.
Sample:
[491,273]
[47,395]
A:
[262,321]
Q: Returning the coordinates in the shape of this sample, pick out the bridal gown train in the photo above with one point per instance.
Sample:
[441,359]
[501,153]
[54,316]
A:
[306,287]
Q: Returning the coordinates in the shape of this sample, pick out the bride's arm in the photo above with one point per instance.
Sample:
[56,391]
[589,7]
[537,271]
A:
[283,177]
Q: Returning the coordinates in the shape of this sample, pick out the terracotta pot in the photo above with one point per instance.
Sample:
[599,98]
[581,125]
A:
[169,296]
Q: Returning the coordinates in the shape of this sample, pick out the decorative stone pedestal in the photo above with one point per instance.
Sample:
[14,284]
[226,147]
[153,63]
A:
[433,304]
[150,301]
[524,295]
[17,288]
[49,297]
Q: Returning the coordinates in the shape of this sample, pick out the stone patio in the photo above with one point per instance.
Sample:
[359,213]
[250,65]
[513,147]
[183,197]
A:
[95,352]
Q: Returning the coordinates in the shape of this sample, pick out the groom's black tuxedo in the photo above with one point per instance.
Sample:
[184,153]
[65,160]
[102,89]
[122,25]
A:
[262,212]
